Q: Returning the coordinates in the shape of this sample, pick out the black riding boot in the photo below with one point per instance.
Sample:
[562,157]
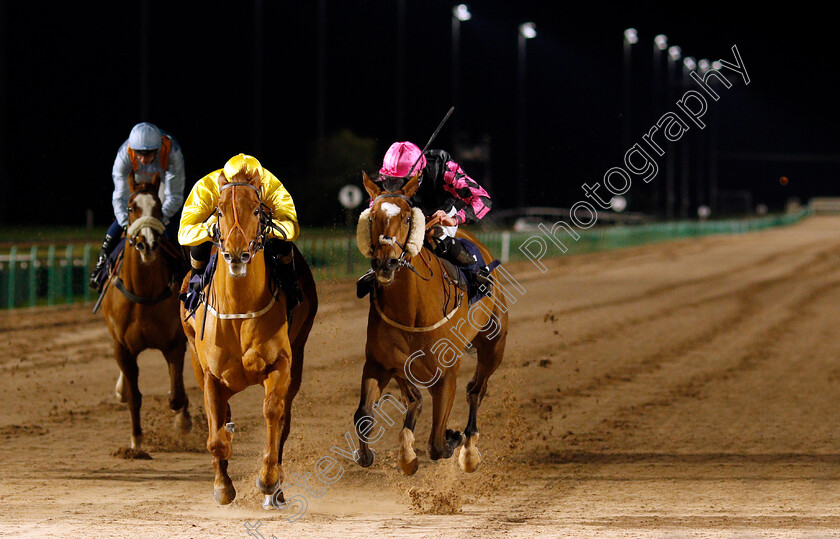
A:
[282,259]
[107,247]
[453,251]
[199,256]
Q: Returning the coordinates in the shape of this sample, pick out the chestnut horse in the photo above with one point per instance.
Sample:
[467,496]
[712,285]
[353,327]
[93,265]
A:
[247,338]
[141,308]
[419,322]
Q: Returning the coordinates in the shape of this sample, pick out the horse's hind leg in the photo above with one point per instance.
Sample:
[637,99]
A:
[178,400]
[490,353]
[442,441]
[129,371]
[374,379]
[408,458]
[216,398]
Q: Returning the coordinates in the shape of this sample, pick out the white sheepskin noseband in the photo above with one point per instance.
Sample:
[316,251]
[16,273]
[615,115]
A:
[415,235]
[363,234]
[143,222]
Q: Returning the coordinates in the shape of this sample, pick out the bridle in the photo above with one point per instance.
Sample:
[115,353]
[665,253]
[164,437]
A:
[266,223]
[140,223]
[402,261]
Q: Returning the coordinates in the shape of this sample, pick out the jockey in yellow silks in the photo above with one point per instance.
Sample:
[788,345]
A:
[198,219]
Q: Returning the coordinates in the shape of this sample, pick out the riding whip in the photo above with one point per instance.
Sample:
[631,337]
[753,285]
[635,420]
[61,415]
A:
[435,134]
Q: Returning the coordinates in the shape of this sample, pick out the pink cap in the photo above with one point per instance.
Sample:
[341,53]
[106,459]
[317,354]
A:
[399,158]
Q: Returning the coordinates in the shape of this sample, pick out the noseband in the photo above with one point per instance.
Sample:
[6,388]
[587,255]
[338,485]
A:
[402,261]
[140,223]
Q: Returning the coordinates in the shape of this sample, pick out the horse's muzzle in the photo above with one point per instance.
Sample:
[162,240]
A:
[148,251]
[385,269]
[237,263]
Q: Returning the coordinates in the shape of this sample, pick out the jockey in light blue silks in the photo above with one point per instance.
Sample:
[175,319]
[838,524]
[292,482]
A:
[147,152]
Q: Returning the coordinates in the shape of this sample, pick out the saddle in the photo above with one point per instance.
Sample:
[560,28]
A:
[473,279]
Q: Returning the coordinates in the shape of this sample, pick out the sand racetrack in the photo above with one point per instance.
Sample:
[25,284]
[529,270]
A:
[687,388]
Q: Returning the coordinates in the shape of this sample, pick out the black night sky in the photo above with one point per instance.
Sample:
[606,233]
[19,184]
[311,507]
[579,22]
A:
[73,78]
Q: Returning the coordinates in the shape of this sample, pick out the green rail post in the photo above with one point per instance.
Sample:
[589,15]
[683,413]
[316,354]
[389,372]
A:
[33,275]
[85,270]
[51,275]
[11,299]
[68,274]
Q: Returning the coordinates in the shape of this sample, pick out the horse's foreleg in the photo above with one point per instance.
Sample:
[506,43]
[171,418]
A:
[129,371]
[489,358]
[216,398]
[276,387]
[294,387]
[374,380]
[178,400]
[119,388]
[414,399]
[442,441]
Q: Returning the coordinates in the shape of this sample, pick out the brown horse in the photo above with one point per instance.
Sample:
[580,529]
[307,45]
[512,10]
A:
[247,338]
[141,308]
[416,311]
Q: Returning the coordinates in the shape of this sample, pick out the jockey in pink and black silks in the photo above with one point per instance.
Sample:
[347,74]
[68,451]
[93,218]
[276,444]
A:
[445,192]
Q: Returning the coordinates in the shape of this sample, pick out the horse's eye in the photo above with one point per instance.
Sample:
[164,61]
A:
[408,219]
[257,211]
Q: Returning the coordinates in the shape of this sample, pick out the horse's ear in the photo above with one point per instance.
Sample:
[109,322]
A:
[255,180]
[132,185]
[411,186]
[222,179]
[372,189]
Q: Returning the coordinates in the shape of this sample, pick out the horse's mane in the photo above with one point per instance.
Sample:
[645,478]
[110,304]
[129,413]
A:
[146,187]
[391,184]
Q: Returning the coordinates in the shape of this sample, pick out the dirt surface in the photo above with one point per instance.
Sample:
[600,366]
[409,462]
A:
[684,389]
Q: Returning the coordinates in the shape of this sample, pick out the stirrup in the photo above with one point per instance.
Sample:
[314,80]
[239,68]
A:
[93,280]
[364,285]
[483,279]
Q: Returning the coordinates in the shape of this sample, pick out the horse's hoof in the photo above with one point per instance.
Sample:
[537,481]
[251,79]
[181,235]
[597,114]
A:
[136,442]
[183,421]
[224,495]
[267,503]
[469,458]
[407,458]
[267,490]
[453,439]
[409,467]
[365,459]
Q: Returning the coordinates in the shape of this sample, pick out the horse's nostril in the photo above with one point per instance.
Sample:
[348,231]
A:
[245,257]
[141,246]
[227,257]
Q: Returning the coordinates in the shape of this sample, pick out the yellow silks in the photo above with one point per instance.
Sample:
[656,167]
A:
[198,216]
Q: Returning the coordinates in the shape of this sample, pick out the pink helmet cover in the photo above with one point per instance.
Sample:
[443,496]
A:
[399,158]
